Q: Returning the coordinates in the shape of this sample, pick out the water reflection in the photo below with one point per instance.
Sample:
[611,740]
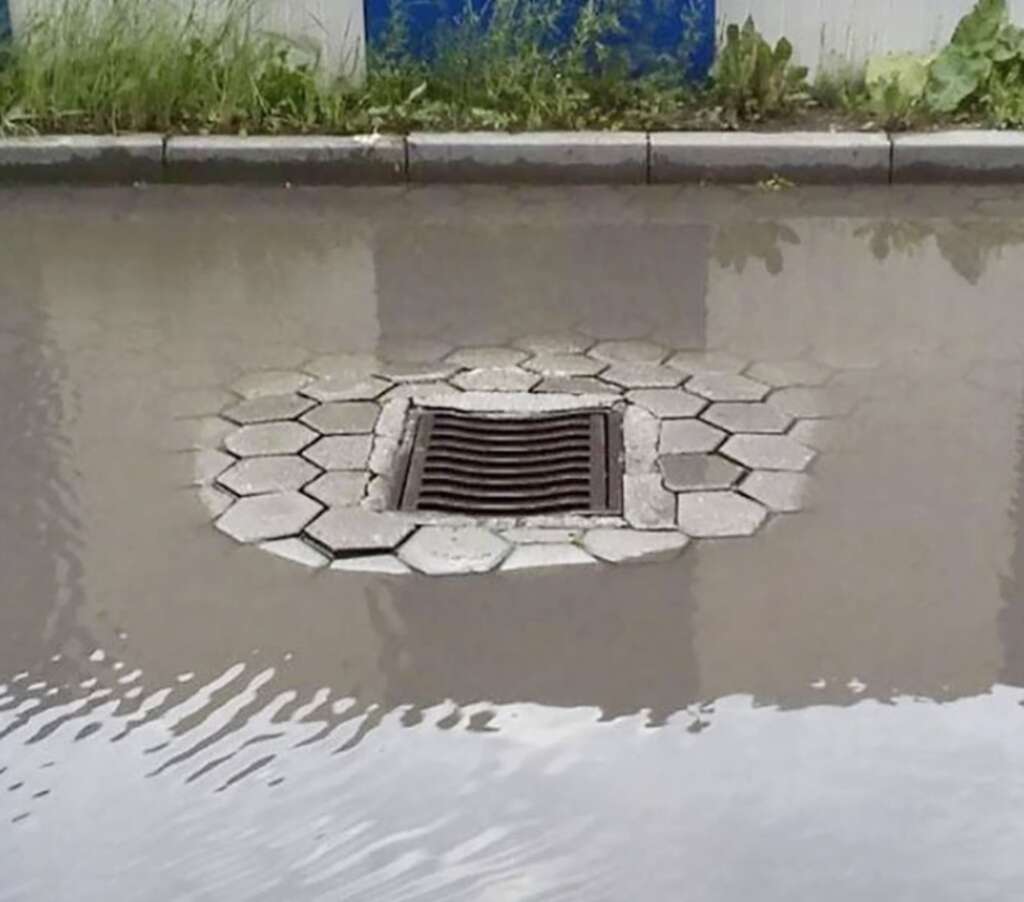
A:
[194,714]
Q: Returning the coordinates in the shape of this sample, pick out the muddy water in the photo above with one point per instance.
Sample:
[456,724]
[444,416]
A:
[829,710]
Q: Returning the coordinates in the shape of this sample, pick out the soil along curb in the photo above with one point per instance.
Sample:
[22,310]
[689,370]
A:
[536,158]
[82,159]
[358,160]
[959,156]
[802,157]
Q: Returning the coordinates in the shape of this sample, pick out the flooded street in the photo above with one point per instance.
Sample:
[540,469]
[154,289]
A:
[830,709]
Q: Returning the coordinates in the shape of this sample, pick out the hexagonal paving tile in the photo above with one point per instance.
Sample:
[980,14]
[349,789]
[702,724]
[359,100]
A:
[262,475]
[206,465]
[689,437]
[404,373]
[530,557]
[443,550]
[343,418]
[781,492]
[497,379]
[693,362]
[486,358]
[296,551]
[263,439]
[813,402]
[264,517]
[646,504]
[575,385]
[341,452]
[268,408]
[355,367]
[668,403]
[822,435]
[270,382]
[352,530]
[745,416]
[344,388]
[420,392]
[768,452]
[554,343]
[371,563]
[621,546]
[640,431]
[726,387]
[642,375]
[697,472]
[565,365]
[709,515]
[629,352]
[339,488]
[789,372]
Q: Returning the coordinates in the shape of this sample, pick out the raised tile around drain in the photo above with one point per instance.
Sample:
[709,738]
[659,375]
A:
[689,437]
[348,531]
[708,515]
[726,387]
[343,417]
[768,452]
[530,557]
[443,550]
[620,546]
[264,439]
[341,452]
[667,403]
[264,517]
[747,416]
[268,408]
[781,492]
[263,475]
[339,488]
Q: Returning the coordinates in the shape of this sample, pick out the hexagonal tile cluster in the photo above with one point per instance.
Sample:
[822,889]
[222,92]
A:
[302,463]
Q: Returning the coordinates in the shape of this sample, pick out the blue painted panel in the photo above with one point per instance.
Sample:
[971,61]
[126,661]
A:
[5,20]
[655,27]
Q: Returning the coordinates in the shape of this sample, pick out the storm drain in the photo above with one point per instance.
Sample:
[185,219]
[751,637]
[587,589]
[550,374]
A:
[489,465]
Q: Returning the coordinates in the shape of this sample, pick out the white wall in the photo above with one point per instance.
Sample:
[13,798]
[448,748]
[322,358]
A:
[852,30]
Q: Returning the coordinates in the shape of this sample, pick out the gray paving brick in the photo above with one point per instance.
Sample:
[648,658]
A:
[629,352]
[352,530]
[642,375]
[646,503]
[385,564]
[781,492]
[768,452]
[344,388]
[267,408]
[621,546]
[263,475]
[726,387]
[640,435]
[689,437]
[339,488]
[498,379]
[706,515]
[575,385]
[697,472]
[442,550]
[530,557]
[262,439]
[694,362]
[565,365]
[343,418]
[264,517]
[296,551]
[668,403]
[341,452]
[743,416]
[404,373]
[486,358]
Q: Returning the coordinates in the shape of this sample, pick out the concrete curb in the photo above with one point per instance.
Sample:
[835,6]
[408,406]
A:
[539,158]
[804,157]
[529,158]
[958,156]
[82,159]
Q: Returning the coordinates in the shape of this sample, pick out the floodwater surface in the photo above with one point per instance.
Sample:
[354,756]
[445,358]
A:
[831,709]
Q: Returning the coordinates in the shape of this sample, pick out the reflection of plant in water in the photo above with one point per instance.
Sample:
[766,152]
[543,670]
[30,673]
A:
[966,246]
[737,243]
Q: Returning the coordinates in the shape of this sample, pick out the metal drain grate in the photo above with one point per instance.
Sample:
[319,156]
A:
[483,465]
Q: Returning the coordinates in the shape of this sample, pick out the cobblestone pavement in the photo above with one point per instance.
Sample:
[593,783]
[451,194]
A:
[303,461]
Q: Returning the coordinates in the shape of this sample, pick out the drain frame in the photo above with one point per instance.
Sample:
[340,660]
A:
[600,427]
